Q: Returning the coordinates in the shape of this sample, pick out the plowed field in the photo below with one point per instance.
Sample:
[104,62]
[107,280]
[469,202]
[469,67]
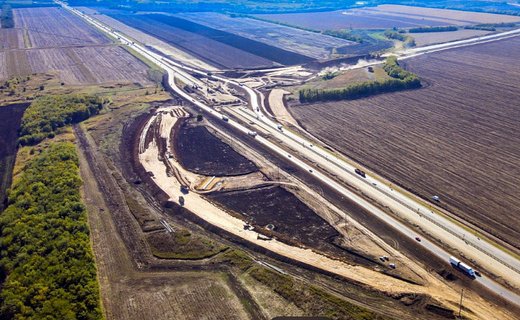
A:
[55,27]
[51,40]
[458,137]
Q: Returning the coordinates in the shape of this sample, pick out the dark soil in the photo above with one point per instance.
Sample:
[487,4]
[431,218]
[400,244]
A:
[293,220]
[10,119]
[201,152]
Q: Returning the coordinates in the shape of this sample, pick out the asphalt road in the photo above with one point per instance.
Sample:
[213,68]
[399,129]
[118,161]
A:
[459,237]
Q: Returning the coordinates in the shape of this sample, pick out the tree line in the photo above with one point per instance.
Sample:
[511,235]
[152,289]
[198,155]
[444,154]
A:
[343,34]
[433,29]
[46,262]
[400,80]
[491,26]
[46,115]
[6,17]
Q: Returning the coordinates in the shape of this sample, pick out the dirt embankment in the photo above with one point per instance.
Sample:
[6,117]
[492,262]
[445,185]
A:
[10,119]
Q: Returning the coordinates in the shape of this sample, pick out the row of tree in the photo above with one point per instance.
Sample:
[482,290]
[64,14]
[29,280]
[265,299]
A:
[400,80]
[491,26]
[6,17]
[343,34]
[433,29]
[46,115]
[46,262]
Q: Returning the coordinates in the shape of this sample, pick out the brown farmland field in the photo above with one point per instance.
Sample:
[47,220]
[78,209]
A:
[55,27]
[458,137]
[307,43]
[427,38]
[11,39]
[386,16]
[207,48]
[50,40]
[3,66]
[89,64]
[16,63]
[453,17]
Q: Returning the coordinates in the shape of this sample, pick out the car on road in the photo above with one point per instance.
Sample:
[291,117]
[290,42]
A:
[360,172]
[310,170]
[478,274]
[418,239]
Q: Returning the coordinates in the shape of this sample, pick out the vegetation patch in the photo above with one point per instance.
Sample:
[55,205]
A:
[408,41]
[46,259]
[47,114]
[311,299]
[236,258]
[182,244]
[400,80]
[343,34]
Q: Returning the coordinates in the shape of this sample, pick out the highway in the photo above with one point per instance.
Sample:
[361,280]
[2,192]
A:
[439,226]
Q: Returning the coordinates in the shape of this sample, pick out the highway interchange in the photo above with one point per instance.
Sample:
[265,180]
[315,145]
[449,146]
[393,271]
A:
[415,212]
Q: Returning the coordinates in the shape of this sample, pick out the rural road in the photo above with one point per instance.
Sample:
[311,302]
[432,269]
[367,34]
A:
[452,233]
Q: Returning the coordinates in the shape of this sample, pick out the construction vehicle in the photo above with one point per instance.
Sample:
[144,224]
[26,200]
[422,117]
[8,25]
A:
[263,237]
[462,267]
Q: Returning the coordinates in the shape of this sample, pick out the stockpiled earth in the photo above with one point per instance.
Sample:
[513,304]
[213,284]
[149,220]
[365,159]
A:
[51,40]
[457,138]
[222,49]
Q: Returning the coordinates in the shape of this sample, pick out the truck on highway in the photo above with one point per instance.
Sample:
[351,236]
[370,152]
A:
[360,172]
[462,267]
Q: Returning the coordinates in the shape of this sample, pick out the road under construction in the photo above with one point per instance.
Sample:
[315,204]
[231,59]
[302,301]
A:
[407,214]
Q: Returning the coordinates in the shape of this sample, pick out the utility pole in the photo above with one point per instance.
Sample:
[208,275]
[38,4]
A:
[460,304]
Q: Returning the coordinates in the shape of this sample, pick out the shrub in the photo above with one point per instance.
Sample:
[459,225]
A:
[49,113]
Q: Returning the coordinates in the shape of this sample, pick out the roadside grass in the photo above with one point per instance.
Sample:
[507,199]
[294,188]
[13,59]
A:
[309,298]
[236,258]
